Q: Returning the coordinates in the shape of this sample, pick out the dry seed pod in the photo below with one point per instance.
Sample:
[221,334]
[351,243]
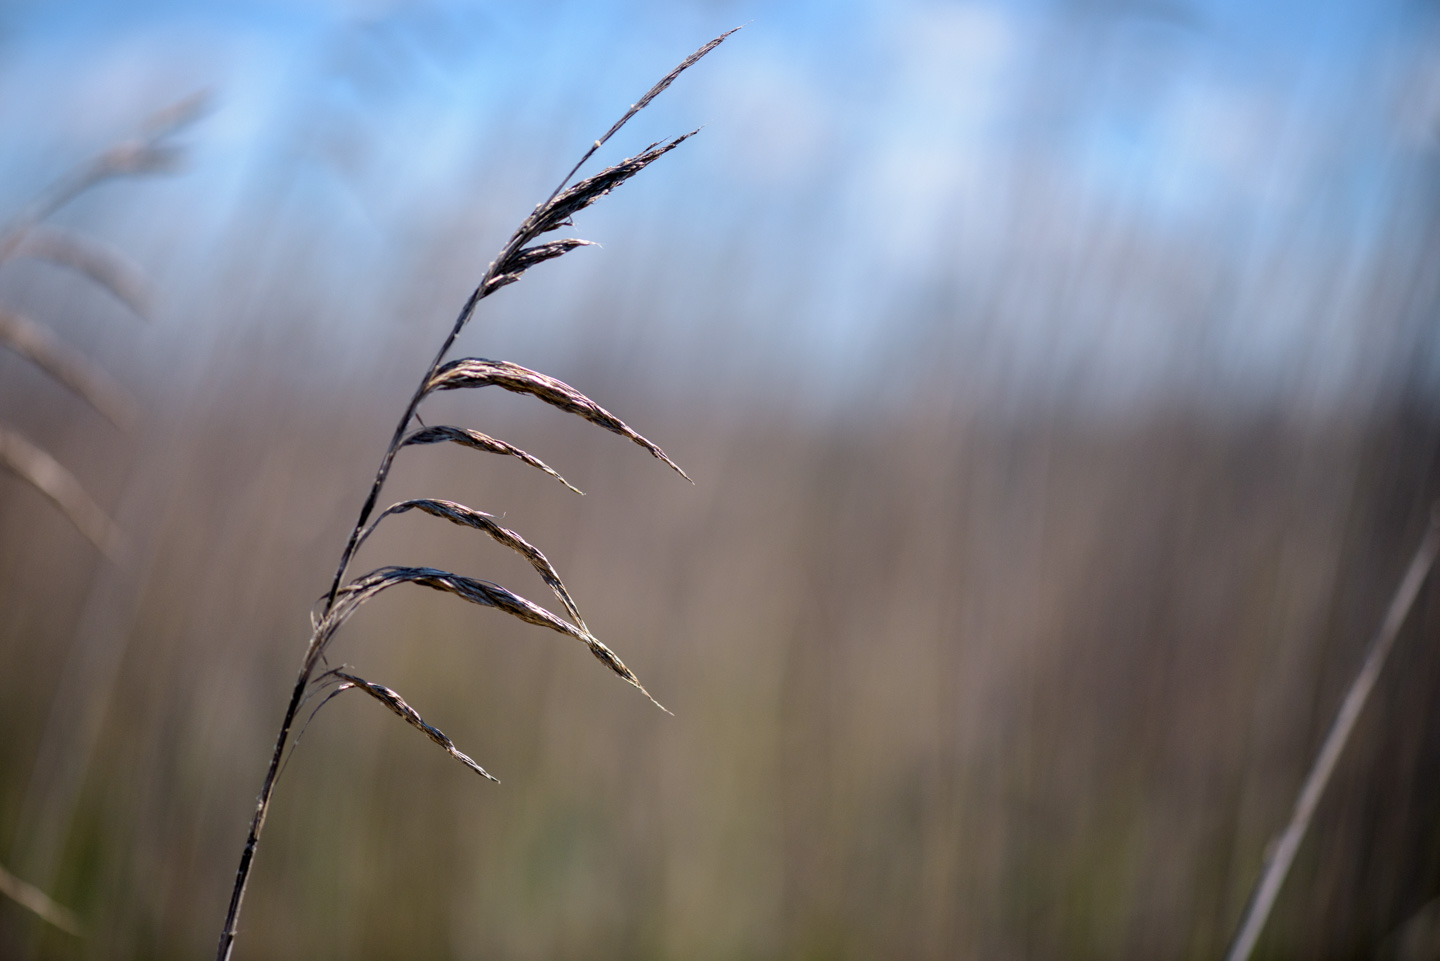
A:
[515,265]
[557,212]
[480,372]
[484,593]
[478,441]
[396,703]
[481,521]
[361,589]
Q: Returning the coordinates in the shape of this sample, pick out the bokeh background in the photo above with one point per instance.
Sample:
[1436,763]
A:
[1061,384]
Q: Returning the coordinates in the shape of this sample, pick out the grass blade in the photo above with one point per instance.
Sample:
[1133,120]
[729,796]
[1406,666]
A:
[343,599]
[147,153]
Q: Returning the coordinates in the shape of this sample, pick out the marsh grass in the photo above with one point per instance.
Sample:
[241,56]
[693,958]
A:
[521,252]
[29,236]
[151,150]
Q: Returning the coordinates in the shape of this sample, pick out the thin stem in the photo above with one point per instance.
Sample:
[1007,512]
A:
[1283,849]
[247,857]
[312,652]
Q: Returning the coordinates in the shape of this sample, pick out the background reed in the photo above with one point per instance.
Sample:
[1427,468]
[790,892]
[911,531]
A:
[28,235]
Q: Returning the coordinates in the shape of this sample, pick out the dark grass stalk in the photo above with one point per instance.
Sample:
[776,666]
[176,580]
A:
[1283,849]
[518,255]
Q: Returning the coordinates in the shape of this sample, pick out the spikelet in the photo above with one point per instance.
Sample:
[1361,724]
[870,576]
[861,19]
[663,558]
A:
[480,372]
[478,441]
[409,715]
[481,521]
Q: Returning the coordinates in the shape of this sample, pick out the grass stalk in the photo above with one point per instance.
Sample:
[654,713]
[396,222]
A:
[1283,849]
[27,235]
[519,254]
[38,902]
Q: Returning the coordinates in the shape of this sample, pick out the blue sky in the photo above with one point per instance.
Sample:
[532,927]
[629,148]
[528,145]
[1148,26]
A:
[929,148]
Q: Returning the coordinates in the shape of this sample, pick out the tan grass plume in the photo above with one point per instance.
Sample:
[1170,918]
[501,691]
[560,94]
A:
[520,253]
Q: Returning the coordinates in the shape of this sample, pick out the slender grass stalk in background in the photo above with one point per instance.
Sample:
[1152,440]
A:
[38,902]
[27,235]
[44,473]
[520,253]
[1283,849]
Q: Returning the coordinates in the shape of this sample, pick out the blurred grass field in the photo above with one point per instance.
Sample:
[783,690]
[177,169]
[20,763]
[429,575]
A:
[942,688]
[1030,552]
